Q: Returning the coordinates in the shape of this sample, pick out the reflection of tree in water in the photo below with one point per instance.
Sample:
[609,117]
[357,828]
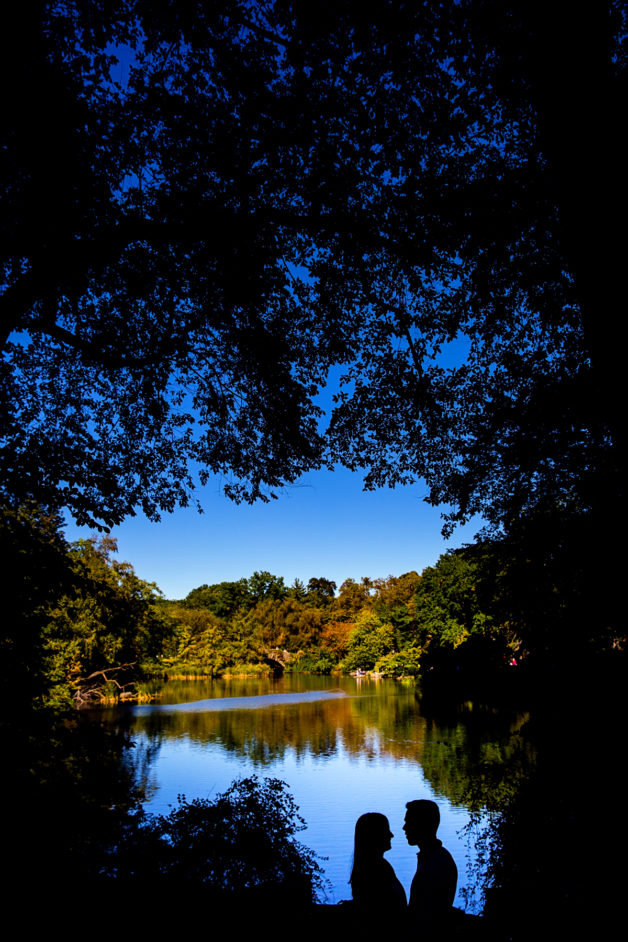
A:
[261,736]
[138,760]
[471,754]
[186,691]
[71,791]
[478,757]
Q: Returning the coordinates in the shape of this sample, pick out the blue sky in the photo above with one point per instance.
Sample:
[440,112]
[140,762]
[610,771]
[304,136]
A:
[325,525]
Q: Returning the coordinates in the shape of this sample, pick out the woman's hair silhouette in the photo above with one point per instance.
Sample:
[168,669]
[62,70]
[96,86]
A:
[372,838]
[373,881]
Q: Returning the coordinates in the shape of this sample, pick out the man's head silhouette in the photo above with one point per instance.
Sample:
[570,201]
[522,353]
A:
[434,884]
[421,821]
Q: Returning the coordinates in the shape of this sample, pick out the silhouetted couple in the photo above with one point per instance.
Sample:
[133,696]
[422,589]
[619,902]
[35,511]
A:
[374,884]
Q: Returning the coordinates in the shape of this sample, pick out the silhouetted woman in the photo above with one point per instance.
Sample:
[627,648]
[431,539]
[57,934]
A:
[374,885]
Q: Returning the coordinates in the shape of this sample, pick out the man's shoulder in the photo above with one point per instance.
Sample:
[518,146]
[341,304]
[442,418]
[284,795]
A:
[446,857]
[434,886]
[445,853]
[437,859]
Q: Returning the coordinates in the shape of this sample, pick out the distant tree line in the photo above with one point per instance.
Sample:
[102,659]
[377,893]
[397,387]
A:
[86,625]
[396,626]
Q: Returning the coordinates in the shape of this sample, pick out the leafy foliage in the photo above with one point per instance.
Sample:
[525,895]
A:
[474,611]
[223,599]
[108,618]
[242,839]
[335,638]
[73,610]
[548,584]
[38,572]
[398,626]
[236,197]
[286,624]
[530,597]
[201,643]
[455,627]
[369,641]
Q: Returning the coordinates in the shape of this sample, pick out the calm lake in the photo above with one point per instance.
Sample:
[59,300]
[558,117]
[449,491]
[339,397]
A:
[344,746]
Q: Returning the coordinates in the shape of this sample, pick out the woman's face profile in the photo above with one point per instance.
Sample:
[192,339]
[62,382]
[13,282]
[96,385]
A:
[373,833]
[389,839]
[385,837]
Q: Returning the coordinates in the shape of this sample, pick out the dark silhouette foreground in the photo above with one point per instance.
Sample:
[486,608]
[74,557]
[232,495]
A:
[434,884]
[375,888]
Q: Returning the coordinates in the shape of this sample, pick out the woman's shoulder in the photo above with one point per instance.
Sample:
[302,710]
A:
[380,885]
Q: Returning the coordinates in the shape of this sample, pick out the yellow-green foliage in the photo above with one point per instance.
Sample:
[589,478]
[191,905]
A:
[369,641]
[92,613]
[109,617]
[285,624]
[202,643]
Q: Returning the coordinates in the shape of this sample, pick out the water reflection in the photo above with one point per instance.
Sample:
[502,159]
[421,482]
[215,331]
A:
[255,702]
[344,746]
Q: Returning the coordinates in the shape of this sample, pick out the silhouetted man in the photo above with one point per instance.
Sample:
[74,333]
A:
[434,884]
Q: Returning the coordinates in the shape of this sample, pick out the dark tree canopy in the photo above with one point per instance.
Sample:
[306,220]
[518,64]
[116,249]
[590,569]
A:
[208,205]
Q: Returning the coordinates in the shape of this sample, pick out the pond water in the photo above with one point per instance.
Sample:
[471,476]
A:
[344,746]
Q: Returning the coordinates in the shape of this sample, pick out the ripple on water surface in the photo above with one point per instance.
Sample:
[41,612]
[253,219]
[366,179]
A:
[239,703]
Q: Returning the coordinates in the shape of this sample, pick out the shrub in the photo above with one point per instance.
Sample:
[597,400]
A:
[241,840]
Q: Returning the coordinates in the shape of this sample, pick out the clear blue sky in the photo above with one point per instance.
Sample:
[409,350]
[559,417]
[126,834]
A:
[323,526]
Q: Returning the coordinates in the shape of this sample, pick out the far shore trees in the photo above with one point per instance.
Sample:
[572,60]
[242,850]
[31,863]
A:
[88,627]
[207,208]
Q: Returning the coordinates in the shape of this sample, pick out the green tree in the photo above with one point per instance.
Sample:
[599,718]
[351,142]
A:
[547,584]
[38,572]
[351,599]
[453,626]
[320,592]
[109,618]
[285,624]
[395,603]
[297,590]
[264,586]
[199,643]
[370,641]
[396,591]
[223,599]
